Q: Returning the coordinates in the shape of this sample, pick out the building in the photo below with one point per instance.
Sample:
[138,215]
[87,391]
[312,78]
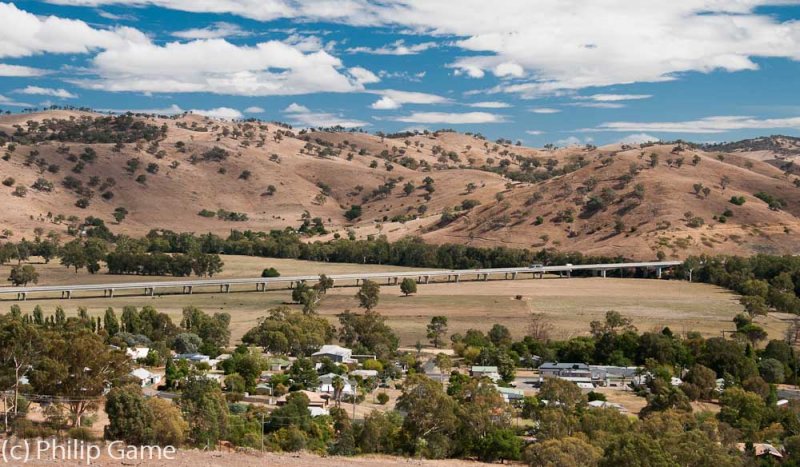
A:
[565,370]
[194,357]
[365,373]
[613,376]
[326,384]
[146,377]
[485,371]
[511,395]
[314,399]
[336,353]
[137,353]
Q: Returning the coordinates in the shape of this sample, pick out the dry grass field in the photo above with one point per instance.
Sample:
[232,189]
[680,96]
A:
[570,304]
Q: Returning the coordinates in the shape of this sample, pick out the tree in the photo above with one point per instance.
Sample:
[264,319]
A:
[430,420]
[368,295]
[187,343]
[303,374]
[754,305]
[73,255]
[110,322]
[635,450]
[561,452]
[20,349]
[168,427]
[290,332]
[22,275]
[771,370]
[120,214]
[367,332]
[700,383]
[129,417]
[408,188]
[408,286]
[742,409]
[499,335]
[565,394]
[206,410]
[437,330]
[77,366]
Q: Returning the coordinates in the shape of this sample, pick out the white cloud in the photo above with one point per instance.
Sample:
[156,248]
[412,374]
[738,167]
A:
[394,99]
[615,97]
[415,77]
[302,115]
[215,31]
[398,47]
[545,110]
[39,91]
[450,118]
[573,141]
[508,69]
[559,45]
[129,61]
[363,76]
[385,103]
[638,138]
[23,34]
[254,110]
[490,105]
[716,124]
[12,103]
[224,113]
[217,66]
[534,132]
[598,105]
[20,71]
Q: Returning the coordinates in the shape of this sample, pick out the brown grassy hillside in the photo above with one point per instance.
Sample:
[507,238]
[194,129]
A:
[166,170]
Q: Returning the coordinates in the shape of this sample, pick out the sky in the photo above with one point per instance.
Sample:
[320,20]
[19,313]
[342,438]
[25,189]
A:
[562,72]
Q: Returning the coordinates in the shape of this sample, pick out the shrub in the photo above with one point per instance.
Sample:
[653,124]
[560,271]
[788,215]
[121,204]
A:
[383,398]
[20,191]
[206,213]
[468,204]
[9,181]
[738,200]
[82,203]
[270,272]
[353,213]
[42,184]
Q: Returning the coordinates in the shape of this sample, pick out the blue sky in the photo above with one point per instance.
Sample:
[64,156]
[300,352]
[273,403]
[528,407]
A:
[541,71]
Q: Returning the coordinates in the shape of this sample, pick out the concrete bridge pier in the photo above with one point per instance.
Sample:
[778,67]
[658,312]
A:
[22,296]
[67,294]
[658,273]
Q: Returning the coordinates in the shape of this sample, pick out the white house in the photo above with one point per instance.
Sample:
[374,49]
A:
[326,384]
[487,371]
[136,353]
[146,377]
[365,373]
[336,353]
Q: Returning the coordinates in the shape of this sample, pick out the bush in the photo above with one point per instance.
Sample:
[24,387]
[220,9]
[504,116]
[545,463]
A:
[81,434]
[82,203]
[270,272]
[383,398]
[9,181]
[353,213]
[206,213]
[738,200]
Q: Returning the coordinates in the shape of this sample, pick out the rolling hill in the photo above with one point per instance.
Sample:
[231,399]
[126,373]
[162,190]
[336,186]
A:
[61,166]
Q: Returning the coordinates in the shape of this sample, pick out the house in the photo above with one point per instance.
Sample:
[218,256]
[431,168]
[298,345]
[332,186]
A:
[606,405]
[511,395]
[278,364]
[146,377]
[194,357]
[326,384]
[137,353]
[761,450]
[613,376]
[485,371]
[314,399]
[565,370]
[365,373]
[336,353]
[318,411]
